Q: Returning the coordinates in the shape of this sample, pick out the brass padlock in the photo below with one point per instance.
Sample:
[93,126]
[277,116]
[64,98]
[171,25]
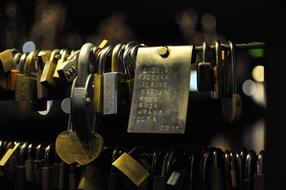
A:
[131,168]
[49,69]
[8,79]
[64,55]
[68,69]
[26,86]
[43,57]
[7,60]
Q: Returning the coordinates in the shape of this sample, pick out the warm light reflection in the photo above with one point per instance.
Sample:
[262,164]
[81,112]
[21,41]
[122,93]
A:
[258,73]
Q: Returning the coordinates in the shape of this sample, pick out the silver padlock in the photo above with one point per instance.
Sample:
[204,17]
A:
[112,86]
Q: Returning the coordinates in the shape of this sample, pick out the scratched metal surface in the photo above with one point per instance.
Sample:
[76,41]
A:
[161,90]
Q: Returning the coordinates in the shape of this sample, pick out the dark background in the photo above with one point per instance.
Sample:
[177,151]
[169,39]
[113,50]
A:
[154,24]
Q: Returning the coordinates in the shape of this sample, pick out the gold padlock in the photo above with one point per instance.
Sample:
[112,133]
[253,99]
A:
[7,59]
[64,55]
[131,168]
[49,69]
[26,86]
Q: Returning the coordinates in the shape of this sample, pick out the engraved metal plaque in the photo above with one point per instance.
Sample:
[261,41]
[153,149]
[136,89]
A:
[161,90]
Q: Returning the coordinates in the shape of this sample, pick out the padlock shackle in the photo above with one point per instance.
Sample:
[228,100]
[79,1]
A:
[104,55]
[233,65]
[30,63]
[38,152]
[47,155]
[218,56]
[29,150]
[206,54]
[22,63]
[84,62]
[126,58]
[23,154]
[115,67]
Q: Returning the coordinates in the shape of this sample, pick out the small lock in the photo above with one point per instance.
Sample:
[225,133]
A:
[112,88]
[131,168]
[103,56]
[49,69]
[64,55]
[69,69]
[43,57]
[26,86]
[7,60]
[205,71]
[47,169]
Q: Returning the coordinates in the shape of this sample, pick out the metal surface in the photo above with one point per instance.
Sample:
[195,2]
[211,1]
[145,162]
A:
[161,91]
[131,168]
[72,149]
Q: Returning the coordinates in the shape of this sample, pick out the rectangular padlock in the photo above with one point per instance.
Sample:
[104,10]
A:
[112,85]
[102,58]
[161,90]
[26,86]
[68,69]
[131,168]
[49,69]
[7,60]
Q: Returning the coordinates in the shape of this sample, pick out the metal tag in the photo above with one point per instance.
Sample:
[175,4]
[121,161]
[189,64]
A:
[161,90]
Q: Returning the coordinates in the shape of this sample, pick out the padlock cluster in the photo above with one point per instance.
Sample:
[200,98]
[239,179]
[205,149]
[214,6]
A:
[104,75]
[36,166]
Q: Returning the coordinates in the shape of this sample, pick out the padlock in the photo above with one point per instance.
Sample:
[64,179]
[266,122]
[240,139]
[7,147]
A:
[112,85]
[29,166]
[38,164]
[259,175]
[47,169]
[64,54]
[7,60]
[8,78]
[131,168]
[218,74]
[127,62]
[205,71]
[103,56]
[63,177]
[231,102]
[49,69]
[69,69]
[249,170]
[20,183]
[43,57]
[26,86]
